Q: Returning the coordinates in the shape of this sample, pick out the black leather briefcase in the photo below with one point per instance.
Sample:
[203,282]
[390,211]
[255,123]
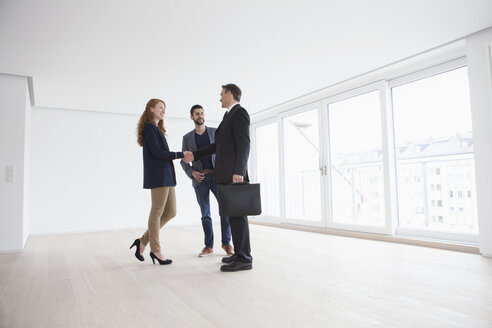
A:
[239,199]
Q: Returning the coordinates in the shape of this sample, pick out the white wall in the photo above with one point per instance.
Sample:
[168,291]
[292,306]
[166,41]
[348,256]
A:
[86,171]
[479,57]
[14,126]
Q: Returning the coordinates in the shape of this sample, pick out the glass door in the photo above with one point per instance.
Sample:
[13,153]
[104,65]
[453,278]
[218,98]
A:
[356,161]
[267,168]
[302,166]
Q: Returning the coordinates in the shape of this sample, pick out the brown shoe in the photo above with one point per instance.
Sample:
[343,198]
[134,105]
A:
[228,249]
[206,251]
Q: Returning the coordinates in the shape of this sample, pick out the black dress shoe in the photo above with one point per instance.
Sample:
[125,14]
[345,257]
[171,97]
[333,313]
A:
[236,266]
[228,259]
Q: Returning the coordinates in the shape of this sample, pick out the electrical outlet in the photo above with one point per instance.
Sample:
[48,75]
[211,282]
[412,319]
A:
[9,173]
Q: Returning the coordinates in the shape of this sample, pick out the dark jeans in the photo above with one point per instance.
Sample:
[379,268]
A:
[202,192]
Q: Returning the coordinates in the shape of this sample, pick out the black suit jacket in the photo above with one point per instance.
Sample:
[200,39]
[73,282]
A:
[231,146]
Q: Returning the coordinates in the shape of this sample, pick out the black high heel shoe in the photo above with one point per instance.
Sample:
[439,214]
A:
[137,251]
[161,262]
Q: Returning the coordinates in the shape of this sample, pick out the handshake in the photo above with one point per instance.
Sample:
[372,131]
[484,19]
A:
[188,156]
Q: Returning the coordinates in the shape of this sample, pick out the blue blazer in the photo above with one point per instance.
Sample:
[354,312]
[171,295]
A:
[158,164]
[190,145]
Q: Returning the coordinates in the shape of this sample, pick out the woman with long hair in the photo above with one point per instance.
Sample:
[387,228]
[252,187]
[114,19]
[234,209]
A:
[159,177]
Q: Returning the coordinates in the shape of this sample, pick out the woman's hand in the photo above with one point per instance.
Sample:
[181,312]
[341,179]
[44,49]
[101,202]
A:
[188,156]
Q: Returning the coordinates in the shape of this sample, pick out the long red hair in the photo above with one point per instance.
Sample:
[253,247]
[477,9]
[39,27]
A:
[148,117]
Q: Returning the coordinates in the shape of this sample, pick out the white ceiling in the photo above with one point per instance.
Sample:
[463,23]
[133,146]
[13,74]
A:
[113,55]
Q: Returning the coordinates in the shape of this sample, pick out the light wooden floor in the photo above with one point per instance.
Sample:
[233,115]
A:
[299,279]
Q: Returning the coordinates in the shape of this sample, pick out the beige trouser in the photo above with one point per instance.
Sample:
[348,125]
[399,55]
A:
[163,210]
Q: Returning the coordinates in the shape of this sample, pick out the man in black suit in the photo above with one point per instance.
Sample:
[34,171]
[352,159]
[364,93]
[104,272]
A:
[231,147]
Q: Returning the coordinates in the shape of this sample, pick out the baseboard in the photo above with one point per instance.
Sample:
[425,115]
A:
[10,251]
[142,227]
[378,237]
[86,231]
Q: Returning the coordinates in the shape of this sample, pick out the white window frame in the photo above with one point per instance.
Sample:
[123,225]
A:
[253,166]
[436,61]
[281,117]
[413,77]
[388,158]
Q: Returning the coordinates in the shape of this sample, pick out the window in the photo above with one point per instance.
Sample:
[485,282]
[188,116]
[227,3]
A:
[336,153]
[267,169]
[301,163]
[437,148]
[357,180]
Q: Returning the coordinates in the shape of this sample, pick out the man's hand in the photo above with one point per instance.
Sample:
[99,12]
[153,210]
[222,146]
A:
[199,176]
[237,178]
[188,156]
